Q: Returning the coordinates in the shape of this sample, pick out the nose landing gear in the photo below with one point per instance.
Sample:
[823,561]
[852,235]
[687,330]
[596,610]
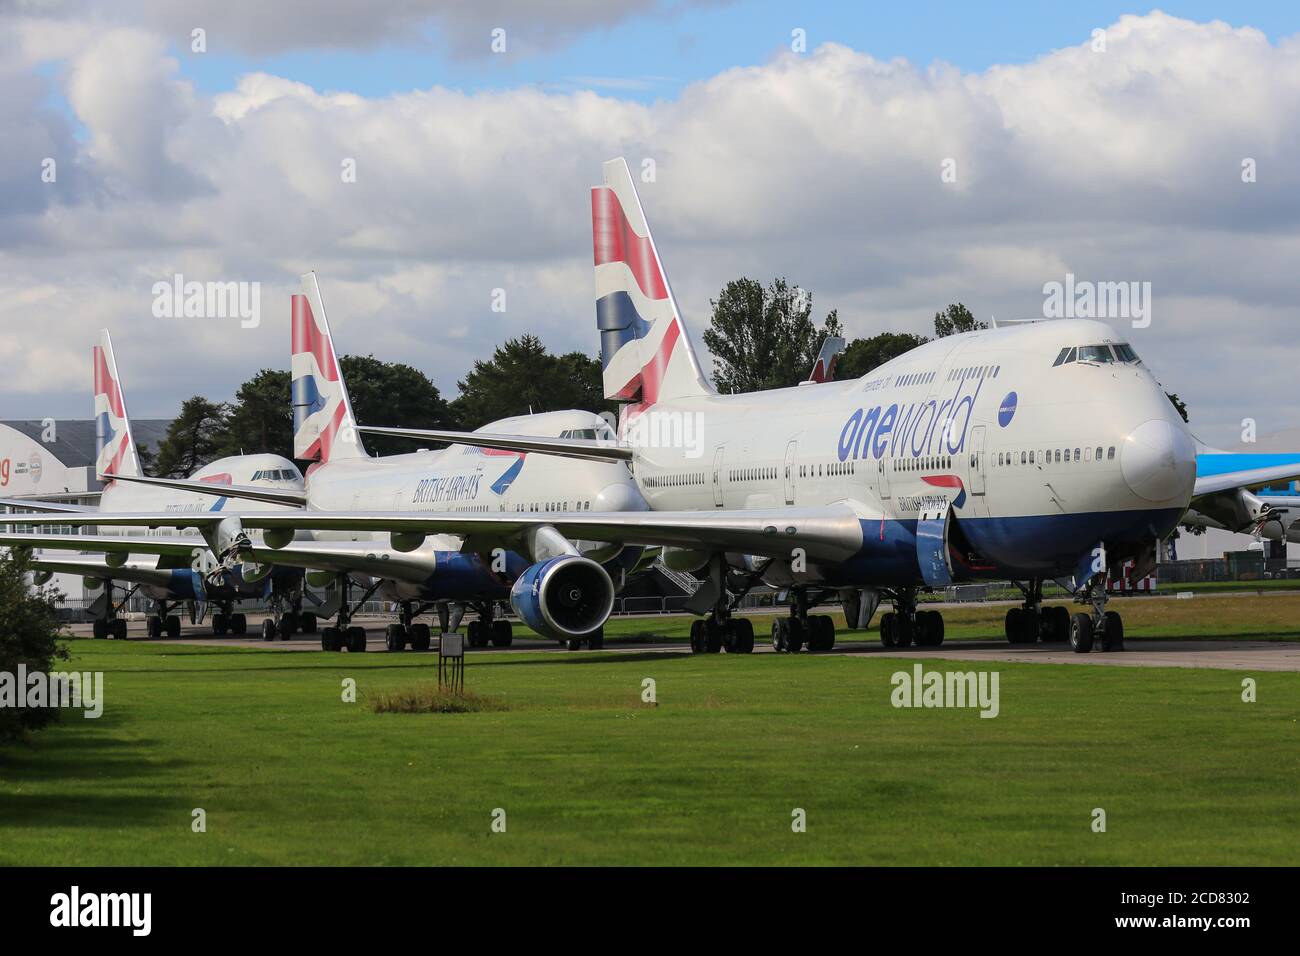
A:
[1106,627]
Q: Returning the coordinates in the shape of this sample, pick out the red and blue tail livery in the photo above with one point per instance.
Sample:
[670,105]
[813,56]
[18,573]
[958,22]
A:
[114,448]
[644,348]
[324,427]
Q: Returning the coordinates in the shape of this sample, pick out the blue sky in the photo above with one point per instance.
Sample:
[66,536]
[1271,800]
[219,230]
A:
[653,56]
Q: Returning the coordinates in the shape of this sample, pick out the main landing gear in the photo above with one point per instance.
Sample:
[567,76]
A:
[109,625]
[816,632]
[406,631]
[226,620]
[487,629]
[161,621]
[1031,622]
[344,634]
[287,617]
[905,625]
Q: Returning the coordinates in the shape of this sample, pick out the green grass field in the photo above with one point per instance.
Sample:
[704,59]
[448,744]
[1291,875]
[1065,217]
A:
[288,773]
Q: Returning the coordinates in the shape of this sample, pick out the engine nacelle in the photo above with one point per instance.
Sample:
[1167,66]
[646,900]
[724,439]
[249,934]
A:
[252,573]
[116,559]
[684,559]
[277,538]
[563,597]
[41,578]
[406,541]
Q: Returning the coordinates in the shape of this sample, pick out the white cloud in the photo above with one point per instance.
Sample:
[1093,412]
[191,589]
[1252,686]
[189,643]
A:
[824,168]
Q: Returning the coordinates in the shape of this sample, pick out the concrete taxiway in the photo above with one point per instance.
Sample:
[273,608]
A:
[1226,654]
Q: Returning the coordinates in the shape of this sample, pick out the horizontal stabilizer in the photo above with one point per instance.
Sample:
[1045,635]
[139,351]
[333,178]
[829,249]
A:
[275,496]
[588,449]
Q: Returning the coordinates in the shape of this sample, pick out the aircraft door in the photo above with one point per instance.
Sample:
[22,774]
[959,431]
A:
[977,460]
[882,472]
[717,477]
[790,451]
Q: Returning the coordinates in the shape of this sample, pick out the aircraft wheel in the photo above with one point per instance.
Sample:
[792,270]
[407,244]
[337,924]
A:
[929,627]
[780,633]
[795,635]
[742,637]
[173,625]
[1055,624]
[96,629]
[1080,633]
[697,639]
[1014,624]
[420,639]
[288,624]
[395,637]
[713,635]
[356,640]
[903,630]
[329,639]
[574,644]
[153,627]
[887,628]
[307,622]
[219,624]
[119,629]
[238,624]
[474,634]
[502,634]
[268,630]
[596,640]
[1112,631]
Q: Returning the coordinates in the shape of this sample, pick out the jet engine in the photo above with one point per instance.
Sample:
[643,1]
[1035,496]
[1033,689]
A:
[564,597]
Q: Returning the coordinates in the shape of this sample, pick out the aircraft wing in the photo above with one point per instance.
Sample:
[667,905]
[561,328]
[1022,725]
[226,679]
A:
[170,545]
[831,532]
[364,557]
[26,504]
[275,496]
[1250,478]
[95,566]
[587,449]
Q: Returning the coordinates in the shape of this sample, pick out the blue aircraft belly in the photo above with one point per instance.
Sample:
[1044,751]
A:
[1015,547]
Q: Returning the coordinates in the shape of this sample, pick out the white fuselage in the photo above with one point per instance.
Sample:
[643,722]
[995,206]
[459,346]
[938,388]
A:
[1038,459]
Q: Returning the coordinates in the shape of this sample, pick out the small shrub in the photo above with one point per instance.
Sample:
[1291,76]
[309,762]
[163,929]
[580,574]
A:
[431,699]
[29,632]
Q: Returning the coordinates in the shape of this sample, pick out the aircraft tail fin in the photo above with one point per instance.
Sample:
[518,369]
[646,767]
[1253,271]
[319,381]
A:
[324,428]
[115,452]
[823,369]
[645,349]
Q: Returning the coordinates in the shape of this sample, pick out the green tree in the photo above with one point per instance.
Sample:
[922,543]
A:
[764,338]
[260,419]
[521,376]
[394,394]
[954,319]
[194,438]
[1178,404]
[29,633]
[864,355]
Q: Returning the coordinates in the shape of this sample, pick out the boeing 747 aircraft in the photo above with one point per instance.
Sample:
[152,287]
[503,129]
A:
[1036,452]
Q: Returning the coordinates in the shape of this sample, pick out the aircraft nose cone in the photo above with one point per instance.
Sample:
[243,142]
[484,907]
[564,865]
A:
[1158,461]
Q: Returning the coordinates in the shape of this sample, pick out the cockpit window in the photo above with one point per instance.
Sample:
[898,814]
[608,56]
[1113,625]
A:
[1100,354]
[1060,359]
[1124,352]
